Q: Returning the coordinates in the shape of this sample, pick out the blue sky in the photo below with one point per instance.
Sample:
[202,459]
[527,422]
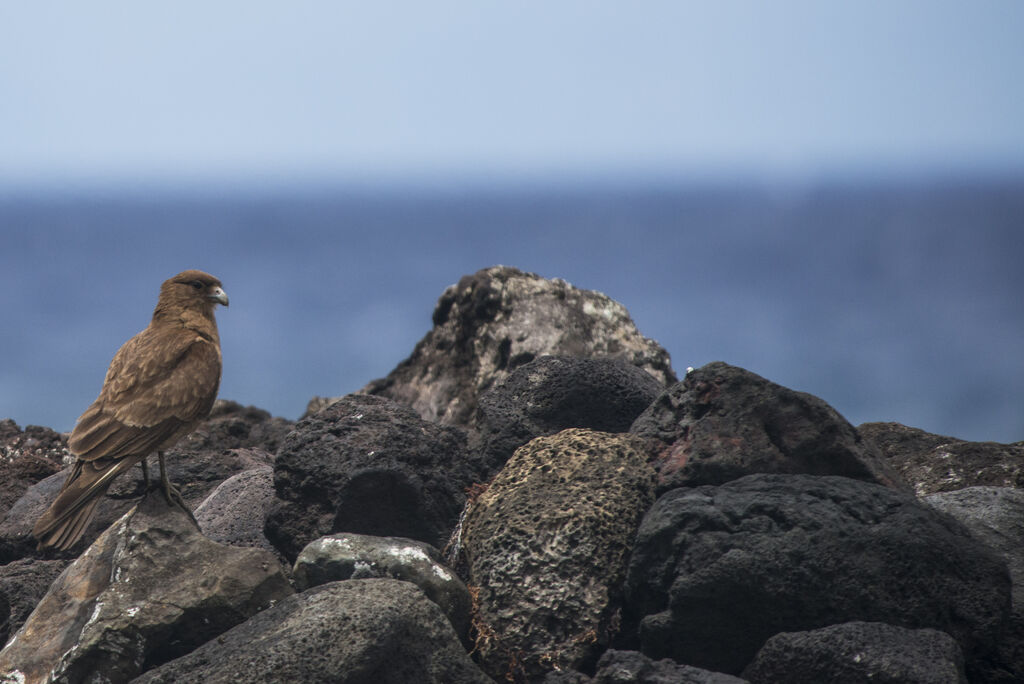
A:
[188,92]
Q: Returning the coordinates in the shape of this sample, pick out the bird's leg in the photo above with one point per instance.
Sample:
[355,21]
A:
[145,474]
[171,492]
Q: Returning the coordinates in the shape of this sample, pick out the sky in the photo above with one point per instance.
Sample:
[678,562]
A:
[127,93]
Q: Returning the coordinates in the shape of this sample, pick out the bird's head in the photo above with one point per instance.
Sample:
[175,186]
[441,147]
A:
[193,290]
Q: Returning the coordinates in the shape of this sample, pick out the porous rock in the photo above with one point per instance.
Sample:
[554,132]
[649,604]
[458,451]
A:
[151,588]
[26,457]
[547,545]
[372,466]
[859,652]
[372,631]
[935,463]
[995,516]
[499,318]
[346,556]
[554,393]
[234,512]
[716,571]
[722,422]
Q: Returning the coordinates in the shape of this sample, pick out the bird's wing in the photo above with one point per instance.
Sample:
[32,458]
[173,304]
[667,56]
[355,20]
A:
[161,381]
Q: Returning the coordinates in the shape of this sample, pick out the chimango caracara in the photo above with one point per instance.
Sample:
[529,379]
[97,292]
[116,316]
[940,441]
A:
[159,386]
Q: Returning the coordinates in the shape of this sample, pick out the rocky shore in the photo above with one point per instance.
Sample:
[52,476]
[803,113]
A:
[532,496]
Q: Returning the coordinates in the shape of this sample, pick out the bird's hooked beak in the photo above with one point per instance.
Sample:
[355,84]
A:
[218,295]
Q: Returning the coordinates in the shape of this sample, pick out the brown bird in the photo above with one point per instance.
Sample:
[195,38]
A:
[159,386]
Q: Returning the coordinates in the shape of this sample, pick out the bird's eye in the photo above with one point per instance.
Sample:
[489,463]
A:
[196,285]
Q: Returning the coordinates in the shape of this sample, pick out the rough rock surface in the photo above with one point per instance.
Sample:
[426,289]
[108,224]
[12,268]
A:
[22,584]
[233,426]
[716,571]
[374,631]
[859,652]
[195,473]
[722,422]
[346,556]
[150,589]
[372,466]
[547,545]
[554,393]
[234,512]
[26,457]
[935,463]
[631,667]
[499,318]
[995,516]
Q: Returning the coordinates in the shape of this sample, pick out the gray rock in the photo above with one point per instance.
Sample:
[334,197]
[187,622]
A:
[346,556]
[936,463]
[148,590]
[716,571]
[995,515]
[371,466]
[859,652]
[722,422]
[547,545]
[22,584]
[234,512]
[374,631]
[554,393]
[500,318]
[630,667]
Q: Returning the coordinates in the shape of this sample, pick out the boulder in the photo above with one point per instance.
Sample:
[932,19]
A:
[195,473]
[995,516]
[716,571]
[378,631]
[26,457]
[233,426]
[499,318]
[722,422]
[546,546]
[345,556]
[234,512]
[631,667]
[859,652]
[934,463]
[150,589]
[553,393]
[22,584]
[371,466]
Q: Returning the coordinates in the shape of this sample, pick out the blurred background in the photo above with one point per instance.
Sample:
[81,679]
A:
[830,195]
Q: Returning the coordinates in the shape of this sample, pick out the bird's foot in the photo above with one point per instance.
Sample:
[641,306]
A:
[174,498]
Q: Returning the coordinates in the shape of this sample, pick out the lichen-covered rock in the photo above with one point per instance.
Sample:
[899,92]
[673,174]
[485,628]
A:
[378,631]
[554,393]
[934,463]
[371,466]
[859,652]
[345,556]
[716,571]
[499,318]
[547,545]
[150,589]
[722,422]
[26,457]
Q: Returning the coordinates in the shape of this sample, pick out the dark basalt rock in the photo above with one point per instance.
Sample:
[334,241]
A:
[499,318]
[26,457]
[859,652]
[22,584]
[935,463]
[371,466]
[554,393]
[716,571]
[373,631]
[722,422]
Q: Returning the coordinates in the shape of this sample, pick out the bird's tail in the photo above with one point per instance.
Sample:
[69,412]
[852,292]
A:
[65,520]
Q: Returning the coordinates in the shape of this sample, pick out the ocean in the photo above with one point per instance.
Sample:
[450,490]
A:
[893,301]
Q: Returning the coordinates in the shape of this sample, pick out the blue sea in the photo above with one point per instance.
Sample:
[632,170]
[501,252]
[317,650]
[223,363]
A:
[894,301]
